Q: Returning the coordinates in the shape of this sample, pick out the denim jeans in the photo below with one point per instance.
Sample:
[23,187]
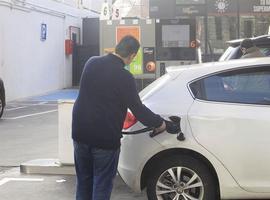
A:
[95,170]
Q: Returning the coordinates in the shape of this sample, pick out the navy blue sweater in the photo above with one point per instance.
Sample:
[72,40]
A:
[106,91]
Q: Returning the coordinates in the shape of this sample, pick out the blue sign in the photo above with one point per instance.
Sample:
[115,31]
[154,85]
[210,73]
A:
[43,32]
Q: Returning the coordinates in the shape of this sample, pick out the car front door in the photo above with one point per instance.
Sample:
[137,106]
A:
[231,118]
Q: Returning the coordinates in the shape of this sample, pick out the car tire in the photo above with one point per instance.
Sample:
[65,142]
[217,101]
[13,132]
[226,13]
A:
[164,183]
[1,107]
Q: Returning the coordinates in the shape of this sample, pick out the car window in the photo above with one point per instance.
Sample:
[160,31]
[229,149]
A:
[250,86]
[265,50]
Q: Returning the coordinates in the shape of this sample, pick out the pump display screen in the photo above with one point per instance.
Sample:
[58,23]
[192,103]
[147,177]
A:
[175,36]
[174,39]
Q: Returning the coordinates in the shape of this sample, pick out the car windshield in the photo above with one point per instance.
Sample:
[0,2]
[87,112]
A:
[229,53]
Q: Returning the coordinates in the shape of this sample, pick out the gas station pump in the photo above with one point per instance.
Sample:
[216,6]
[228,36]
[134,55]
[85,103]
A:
[164,43]
[175,43]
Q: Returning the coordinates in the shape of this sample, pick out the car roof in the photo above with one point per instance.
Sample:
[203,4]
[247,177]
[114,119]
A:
[260,40]
[198,70]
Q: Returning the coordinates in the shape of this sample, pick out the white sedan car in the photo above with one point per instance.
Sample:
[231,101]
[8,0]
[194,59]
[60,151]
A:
[225,118]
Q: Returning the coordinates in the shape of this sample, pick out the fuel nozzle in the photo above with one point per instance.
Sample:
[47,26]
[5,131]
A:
[174,127]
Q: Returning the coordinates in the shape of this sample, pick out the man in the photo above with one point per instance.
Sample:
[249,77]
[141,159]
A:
[106,91]
[249,49]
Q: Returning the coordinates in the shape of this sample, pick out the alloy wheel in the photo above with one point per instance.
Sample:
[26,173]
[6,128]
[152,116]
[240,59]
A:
[179,183]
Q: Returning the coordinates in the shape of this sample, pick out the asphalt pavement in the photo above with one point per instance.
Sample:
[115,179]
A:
[17,186]
[29,131]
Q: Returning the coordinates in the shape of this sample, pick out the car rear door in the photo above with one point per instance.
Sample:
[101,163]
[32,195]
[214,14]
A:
[231,118]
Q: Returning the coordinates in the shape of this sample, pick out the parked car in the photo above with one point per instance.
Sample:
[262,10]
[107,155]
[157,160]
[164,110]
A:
[225,118]
[234,51]
[2,97]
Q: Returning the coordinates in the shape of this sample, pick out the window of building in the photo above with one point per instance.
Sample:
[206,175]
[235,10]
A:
[251,25]
[248,86]
[218,23]
[262,25]
[248,27]
[221,29]
[232,28]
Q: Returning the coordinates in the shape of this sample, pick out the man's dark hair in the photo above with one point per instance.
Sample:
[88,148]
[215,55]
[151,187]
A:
[247,43]
[127,46]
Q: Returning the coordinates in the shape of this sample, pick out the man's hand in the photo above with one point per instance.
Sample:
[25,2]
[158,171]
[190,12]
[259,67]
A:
[161,128]
[158,130]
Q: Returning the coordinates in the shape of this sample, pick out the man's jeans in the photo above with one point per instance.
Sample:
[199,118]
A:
[95,169]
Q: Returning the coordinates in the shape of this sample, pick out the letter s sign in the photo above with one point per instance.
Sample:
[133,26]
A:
[117,13]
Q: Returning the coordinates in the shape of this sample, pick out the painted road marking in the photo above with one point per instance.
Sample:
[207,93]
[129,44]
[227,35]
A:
[60,181]
[6,180]
[29,104]
[25,105]
[17,108]
[31,115]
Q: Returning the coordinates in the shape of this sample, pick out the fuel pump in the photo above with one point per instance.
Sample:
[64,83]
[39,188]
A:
[164,43]
[175,43]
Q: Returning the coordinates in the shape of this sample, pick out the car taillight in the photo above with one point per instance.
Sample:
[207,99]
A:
[129,121]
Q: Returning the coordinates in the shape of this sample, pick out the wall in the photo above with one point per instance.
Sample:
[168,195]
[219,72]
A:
[133,8]
[96,5]
[28,65]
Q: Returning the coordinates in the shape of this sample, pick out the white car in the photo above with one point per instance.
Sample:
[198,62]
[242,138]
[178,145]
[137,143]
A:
[225,118]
